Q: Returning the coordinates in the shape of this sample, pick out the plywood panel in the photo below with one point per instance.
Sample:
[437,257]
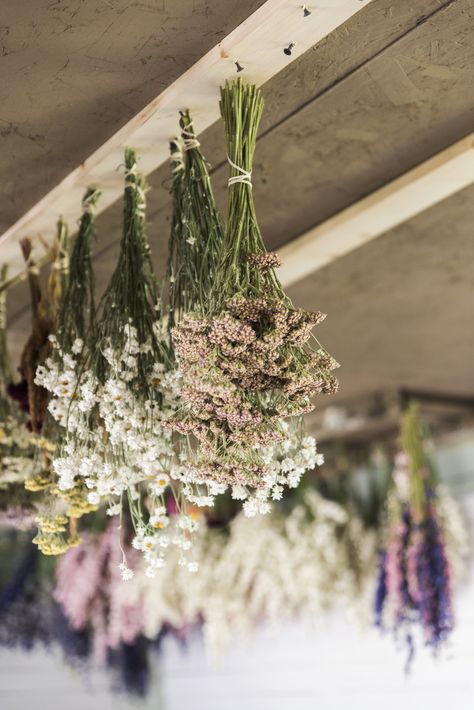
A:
[74,72]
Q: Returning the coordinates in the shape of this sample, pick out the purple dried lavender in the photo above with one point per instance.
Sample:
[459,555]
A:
[381,588]
[434,584]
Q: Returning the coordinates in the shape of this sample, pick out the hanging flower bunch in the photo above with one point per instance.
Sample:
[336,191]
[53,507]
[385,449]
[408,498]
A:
[267,569]
[29,432]
[30,618]
[88,581]
[16,445]
[57,374]
[153,424]
[243,351]
[416,576]
[110,393]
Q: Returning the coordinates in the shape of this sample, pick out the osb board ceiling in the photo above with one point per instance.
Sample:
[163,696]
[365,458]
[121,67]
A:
[389,89]
[74,71]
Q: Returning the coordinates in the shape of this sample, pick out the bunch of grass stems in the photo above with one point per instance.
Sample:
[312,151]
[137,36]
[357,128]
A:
[132,294]
[412,443]
[77,315]
[5,370]
[197,229]
[241,108]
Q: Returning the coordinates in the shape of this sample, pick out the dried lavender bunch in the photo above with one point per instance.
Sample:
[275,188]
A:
[26,606]
[415,572]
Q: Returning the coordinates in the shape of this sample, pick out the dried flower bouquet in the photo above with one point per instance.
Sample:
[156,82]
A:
[244,351]
[416,567]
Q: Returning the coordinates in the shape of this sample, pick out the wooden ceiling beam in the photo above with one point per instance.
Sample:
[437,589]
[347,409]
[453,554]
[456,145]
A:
[258,46]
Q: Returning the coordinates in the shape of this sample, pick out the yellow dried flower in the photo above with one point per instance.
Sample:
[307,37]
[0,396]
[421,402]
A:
[52,523]
[52,544]
[42,443]
[78,509]
[38,482]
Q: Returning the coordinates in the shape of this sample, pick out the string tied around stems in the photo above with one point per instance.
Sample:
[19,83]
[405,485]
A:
[131,174]
[189,139]
[131,180]
[61,263]
[245,176]
[89,203]
[176,156]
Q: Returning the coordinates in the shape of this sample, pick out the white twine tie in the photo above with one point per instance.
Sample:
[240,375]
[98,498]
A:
[88,205]
[189,141]
[131,177]
[60,264]
[176,156]
[245,175]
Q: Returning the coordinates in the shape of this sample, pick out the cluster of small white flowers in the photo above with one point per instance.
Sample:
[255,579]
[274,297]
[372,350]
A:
[179,532]
[268,569]
[287,461]
[114,440]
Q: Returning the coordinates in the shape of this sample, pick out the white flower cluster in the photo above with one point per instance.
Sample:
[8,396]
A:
[287,461]
[114,439]
[114,436]
[178,533]
[268,569]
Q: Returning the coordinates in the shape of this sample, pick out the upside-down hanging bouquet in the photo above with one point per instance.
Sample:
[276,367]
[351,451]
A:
[165,404]
[28,434]
[417,566]
[244,356]
[16,445]
[105,375]
[269,569]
